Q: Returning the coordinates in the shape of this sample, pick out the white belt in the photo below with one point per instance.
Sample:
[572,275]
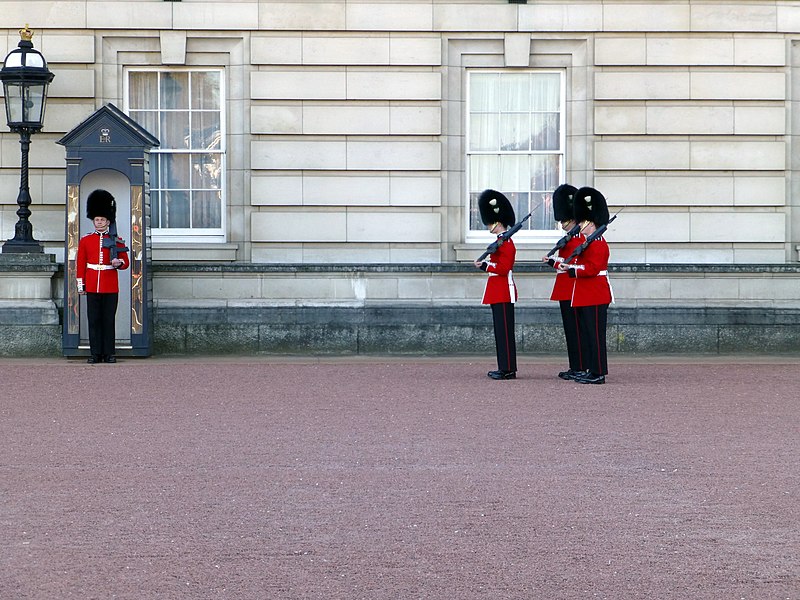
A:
[99,267]
[565,273]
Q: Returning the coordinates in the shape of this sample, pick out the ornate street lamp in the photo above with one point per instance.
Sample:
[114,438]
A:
[25,78]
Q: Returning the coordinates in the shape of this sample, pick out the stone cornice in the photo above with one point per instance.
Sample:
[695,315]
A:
[675,269]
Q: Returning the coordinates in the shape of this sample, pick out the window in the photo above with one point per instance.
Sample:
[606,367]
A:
[184,110]
[515,142]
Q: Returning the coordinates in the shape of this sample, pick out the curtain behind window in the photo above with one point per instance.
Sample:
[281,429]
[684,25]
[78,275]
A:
[514,142]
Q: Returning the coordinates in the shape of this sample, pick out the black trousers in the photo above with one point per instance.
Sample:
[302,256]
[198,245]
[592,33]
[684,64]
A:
[101,310]
[504,337]
[592,321]
[569,317]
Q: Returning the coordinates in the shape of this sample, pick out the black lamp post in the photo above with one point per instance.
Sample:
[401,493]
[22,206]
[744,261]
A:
[25,78]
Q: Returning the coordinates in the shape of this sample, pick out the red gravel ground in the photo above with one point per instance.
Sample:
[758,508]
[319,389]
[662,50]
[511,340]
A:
[398,479]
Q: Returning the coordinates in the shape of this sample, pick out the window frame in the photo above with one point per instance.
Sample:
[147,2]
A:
[188,234]
[539,235]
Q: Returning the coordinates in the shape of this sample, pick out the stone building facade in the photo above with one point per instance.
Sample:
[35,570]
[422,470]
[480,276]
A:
[328,202]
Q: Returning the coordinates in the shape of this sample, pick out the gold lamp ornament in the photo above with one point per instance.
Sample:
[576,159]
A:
[26,33]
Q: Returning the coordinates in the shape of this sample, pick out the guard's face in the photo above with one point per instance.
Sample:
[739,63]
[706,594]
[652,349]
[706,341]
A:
[100,223]
[567,225]
[493,227]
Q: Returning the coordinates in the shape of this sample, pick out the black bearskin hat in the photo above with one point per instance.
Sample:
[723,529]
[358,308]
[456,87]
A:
[562,202]
[590,205]
[495,208]
[100,203]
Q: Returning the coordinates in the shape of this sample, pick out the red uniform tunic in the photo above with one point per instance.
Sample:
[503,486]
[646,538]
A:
[500,286]
[591,276]
[563,286]
[94,272]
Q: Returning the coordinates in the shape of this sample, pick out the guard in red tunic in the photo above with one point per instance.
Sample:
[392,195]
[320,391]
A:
[100,255]
[563,286]
[501,291]
[591,293]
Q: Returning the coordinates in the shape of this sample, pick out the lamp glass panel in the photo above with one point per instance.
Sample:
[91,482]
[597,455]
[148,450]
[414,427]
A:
[34,59]
[33,111]
[13,60]
[13,93]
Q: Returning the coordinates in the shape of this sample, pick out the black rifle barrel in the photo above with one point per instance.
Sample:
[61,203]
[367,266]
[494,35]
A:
[503,237]
[592,237]
[563,241]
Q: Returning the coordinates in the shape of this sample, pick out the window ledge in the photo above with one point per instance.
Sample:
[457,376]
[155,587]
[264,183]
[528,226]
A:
[177,252]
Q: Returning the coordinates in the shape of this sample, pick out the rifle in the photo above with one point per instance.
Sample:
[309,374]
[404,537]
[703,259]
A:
[110,241]
[563,241]
[592,237]
[503,237]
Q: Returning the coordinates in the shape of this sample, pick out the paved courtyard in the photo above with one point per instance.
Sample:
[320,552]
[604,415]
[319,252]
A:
[398,478]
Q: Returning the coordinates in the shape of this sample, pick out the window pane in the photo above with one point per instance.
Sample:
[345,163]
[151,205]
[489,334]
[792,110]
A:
[143,90]
[206,171]
[544,172]
[175,171]
[175,210]
[514,92]
[155,170]
[546,92]
[521,203]
[513,174]
[483,171]
[155,209]
[483,92]
[483,132]
[206,131]
[542,217]
[474,215]
[206,210]
[515,132]
[205,90]
[147,119]
[546,131]
[174,130]
[174,90]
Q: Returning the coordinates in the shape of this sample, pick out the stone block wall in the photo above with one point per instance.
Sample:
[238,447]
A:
[346,128]
[346,121]
[383,309]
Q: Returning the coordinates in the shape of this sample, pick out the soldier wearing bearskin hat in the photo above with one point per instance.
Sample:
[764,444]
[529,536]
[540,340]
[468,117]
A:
[97,275]
[563,285]
[501,291]
[591,293]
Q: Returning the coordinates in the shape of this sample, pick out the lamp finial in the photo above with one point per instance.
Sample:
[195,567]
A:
[26,33]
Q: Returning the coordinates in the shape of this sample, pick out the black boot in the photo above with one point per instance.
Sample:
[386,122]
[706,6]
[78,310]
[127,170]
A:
[502,374]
